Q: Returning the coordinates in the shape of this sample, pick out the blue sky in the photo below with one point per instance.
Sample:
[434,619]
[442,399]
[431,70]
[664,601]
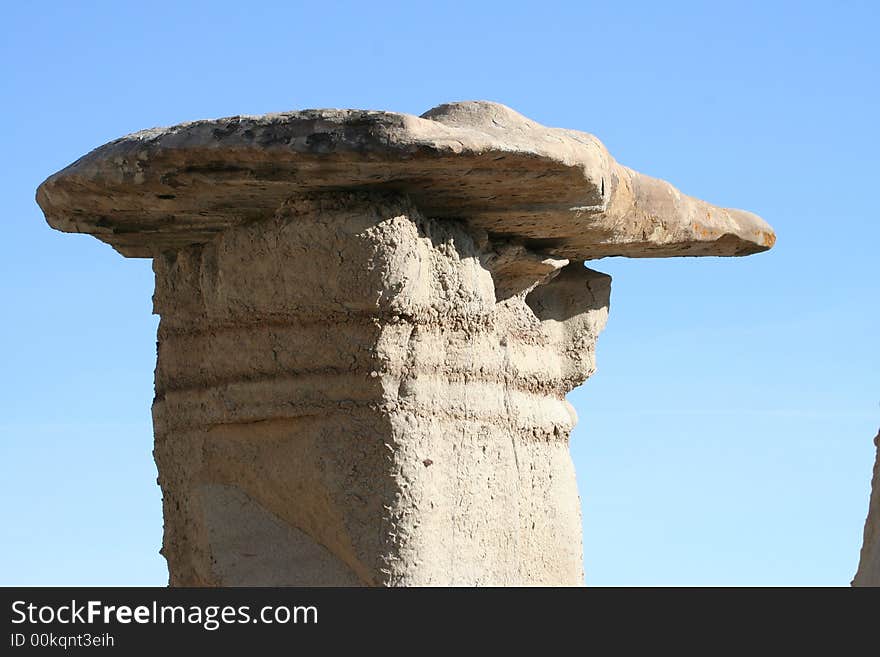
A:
[726,438]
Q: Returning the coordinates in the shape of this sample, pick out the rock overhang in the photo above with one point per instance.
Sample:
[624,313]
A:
[556,191]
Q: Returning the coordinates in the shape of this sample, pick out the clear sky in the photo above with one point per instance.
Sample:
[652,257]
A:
[726,438]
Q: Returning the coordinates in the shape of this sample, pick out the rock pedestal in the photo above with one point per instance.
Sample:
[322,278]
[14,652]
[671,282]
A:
[369,323]
[868,573]
[342,399]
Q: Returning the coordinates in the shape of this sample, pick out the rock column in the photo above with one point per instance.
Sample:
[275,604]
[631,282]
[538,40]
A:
[868,573]
[369,323]
[345,394]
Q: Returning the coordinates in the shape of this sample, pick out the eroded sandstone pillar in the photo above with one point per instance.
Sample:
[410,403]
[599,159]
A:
[342,397]
[369,322]
[868,573]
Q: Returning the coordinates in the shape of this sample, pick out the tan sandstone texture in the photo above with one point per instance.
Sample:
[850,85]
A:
[868,573]
[369,323]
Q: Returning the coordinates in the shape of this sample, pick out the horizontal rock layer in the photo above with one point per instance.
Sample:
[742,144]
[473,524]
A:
[558,192]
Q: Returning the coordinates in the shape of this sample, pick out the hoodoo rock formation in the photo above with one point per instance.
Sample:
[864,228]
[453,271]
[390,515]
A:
[868,573]
[369,323]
